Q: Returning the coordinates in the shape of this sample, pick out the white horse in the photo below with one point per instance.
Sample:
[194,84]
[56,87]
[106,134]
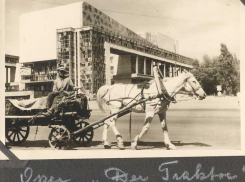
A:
[118,95]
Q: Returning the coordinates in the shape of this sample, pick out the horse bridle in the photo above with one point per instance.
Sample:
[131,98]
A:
[192,86]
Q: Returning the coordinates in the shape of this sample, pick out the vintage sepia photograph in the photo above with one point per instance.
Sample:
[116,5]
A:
[106,75]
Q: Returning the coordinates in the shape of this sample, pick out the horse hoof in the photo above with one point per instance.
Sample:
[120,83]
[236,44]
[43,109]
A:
[133,147]
[170,147]
[106,144]
[107,147]
[120,145]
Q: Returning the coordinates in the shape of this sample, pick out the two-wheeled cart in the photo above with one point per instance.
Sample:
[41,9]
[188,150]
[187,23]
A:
[69,125]
[72,116]
[66,127]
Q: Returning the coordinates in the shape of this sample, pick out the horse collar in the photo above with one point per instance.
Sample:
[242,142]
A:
[169,98]
[166,95]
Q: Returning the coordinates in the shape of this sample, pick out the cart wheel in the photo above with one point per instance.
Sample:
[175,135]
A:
[17,134]
[85,137]
[59,138]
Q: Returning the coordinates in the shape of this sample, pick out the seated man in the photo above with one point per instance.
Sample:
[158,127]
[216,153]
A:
[63,86]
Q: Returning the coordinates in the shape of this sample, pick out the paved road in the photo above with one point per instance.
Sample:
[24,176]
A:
[213,123]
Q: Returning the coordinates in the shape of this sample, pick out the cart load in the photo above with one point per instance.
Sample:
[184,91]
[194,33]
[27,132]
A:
[33,106]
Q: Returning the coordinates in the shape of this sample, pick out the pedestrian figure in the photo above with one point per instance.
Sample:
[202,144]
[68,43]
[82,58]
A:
[238,97]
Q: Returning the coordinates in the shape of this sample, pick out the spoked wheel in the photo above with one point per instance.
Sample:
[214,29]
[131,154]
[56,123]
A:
[85,137]
[59,138]
[17,134]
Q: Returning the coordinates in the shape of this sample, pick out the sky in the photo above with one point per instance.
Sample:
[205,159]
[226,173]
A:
[199,26]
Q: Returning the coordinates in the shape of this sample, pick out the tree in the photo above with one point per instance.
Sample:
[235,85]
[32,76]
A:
[228,69]
[222,70]
[195,63]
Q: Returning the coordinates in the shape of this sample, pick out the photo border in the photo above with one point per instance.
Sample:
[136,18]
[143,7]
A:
[93,154]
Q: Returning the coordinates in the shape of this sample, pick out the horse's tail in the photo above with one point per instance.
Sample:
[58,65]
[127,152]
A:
[101,96]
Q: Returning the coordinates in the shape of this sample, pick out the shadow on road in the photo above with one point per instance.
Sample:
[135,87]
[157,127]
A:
[45,144]
[98,144]
[151,145]
[36,143]
[178,143]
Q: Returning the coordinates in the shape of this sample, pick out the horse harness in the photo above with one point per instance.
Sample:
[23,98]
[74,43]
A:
[166,95]
[120,99]
[145,85]
[164,92]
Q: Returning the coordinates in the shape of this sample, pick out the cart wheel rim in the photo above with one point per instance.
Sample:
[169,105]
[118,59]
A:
[85,137]
[18,134]
[59,138]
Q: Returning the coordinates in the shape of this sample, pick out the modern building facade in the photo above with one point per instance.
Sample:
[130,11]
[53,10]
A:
[83,39]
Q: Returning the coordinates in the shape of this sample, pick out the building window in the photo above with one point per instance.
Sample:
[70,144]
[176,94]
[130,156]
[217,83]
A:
[112,70]
[141,65]
[133,64]
[48,87]
[42,87]
[161,67]
[28,88]
[88,86]
[167,70]
[148,66]
[172,71]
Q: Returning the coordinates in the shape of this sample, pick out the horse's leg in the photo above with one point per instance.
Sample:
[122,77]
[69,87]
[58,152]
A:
[114,129]
[107,144]
[169,145]
[147,123]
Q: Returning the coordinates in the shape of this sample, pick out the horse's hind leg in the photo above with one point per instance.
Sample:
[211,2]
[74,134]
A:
[116,132]
[107,144]
[169,145]
[147,123]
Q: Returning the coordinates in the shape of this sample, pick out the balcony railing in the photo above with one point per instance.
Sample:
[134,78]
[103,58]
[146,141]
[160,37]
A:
[46,77]
[43,77]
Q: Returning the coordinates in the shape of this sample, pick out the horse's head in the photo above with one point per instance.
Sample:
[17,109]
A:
[192,85]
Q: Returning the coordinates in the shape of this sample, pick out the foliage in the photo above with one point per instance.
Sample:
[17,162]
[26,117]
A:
[223,70]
